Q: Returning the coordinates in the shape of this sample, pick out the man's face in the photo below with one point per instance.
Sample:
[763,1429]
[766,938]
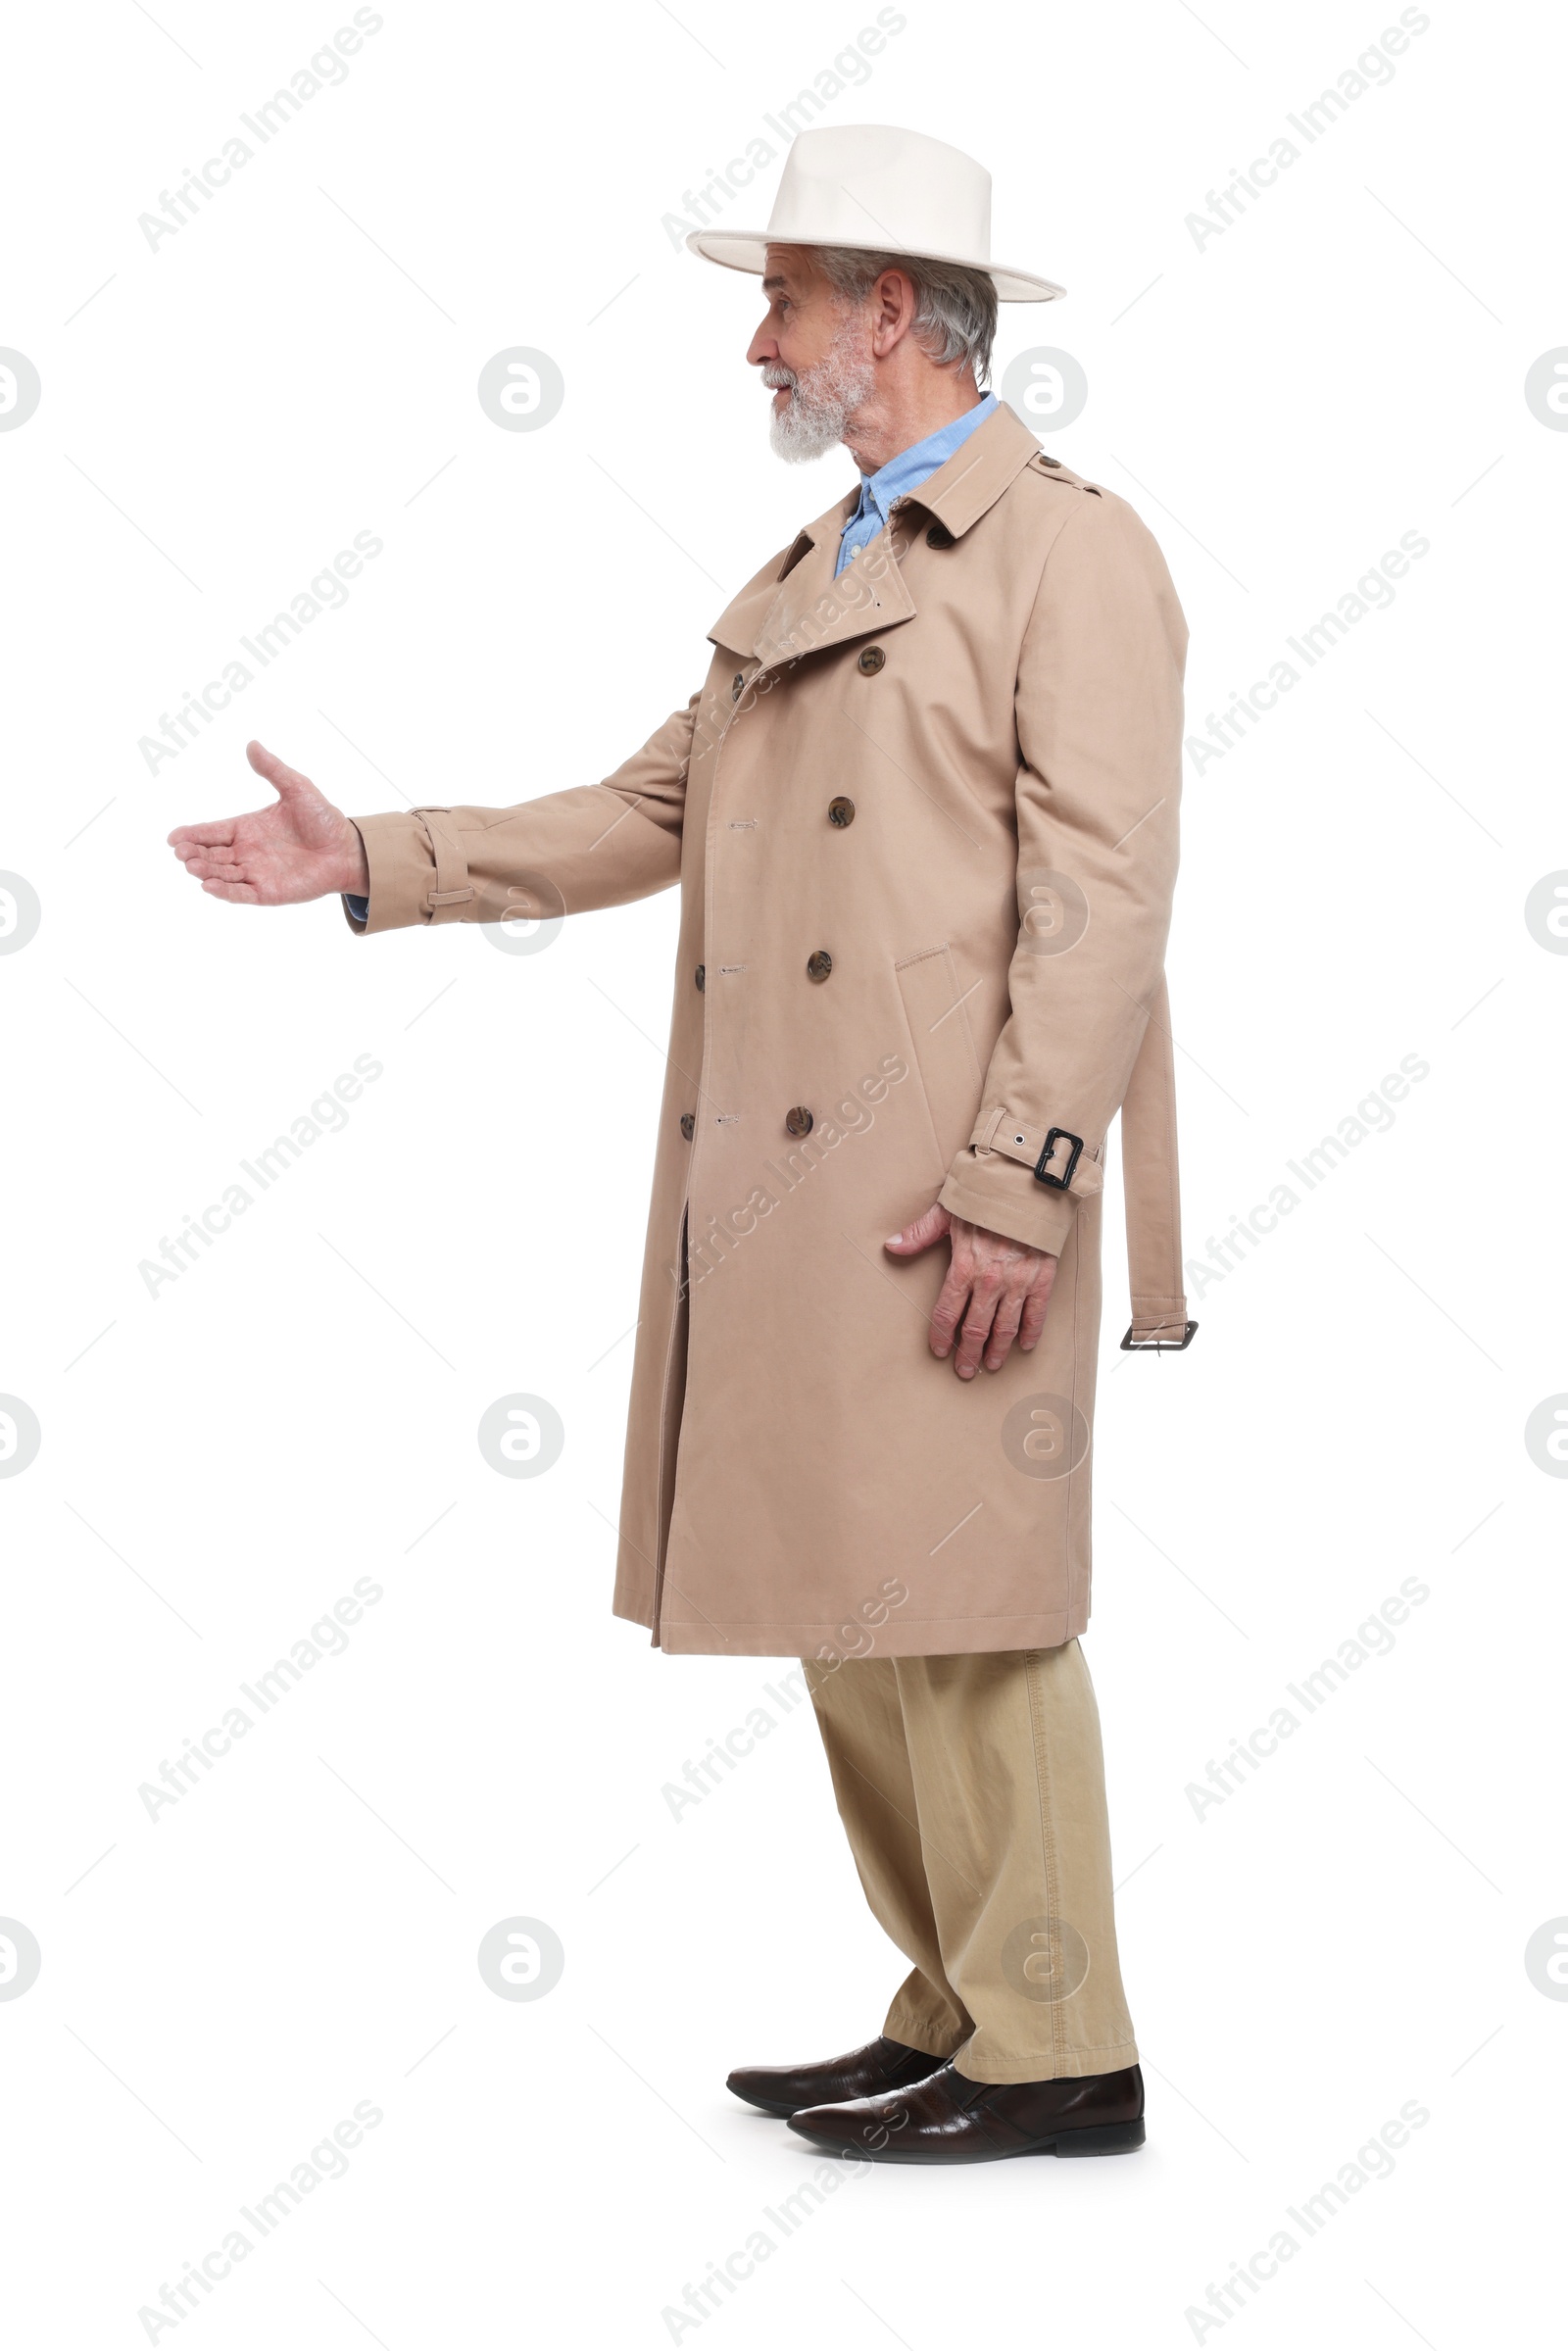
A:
[814,355]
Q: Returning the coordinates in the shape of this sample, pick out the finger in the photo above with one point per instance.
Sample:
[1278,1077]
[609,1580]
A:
[946,1310]
[204,836]
[1034,1309]
[283,778]
[239,894]
[984,1300]
[1005,1329]
[205,867]
[921,1233]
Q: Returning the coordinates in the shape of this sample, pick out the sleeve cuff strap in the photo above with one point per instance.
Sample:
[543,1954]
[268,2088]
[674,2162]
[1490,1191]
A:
[418,873]
[1019,1139]
[1039,1218]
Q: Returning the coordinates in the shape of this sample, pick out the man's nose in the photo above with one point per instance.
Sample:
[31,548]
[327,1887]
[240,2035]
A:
[763,347]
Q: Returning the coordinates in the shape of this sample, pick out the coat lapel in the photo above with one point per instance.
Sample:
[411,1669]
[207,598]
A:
[813,611]
[802,609]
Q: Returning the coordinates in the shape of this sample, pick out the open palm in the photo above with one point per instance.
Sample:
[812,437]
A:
[300,848]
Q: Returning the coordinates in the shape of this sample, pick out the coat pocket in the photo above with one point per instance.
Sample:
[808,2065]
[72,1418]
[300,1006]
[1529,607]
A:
[945,1060]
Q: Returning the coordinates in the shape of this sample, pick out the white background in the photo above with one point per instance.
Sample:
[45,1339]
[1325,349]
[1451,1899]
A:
[1345,1933]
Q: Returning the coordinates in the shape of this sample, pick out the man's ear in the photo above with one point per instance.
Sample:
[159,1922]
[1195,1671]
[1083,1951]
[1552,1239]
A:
[896,305]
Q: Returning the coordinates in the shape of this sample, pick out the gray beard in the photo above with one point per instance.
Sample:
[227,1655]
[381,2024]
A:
[822,402]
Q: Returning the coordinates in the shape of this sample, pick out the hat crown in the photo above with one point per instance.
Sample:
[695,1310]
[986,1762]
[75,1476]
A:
[877,188]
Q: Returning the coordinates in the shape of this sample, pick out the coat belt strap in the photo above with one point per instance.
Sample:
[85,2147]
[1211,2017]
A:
[1153,1188]
[1149,1181]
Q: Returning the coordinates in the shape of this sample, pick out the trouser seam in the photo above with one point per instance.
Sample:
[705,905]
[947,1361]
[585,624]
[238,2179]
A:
[1048,1840]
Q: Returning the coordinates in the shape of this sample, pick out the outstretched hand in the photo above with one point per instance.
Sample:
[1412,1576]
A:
[1000,1288]
[298,849]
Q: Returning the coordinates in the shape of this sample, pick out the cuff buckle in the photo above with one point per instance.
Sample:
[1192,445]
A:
[1042,1174]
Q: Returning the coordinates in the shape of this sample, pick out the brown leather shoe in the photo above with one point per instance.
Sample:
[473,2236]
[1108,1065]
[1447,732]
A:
[949,2119]
[882,2064]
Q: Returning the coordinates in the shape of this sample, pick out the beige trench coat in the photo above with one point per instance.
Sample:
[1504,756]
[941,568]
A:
[924,818]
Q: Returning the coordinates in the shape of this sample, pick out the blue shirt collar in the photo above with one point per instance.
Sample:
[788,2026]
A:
[903,474]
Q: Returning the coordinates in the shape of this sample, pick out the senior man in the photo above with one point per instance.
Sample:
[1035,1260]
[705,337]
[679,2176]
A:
[922,811]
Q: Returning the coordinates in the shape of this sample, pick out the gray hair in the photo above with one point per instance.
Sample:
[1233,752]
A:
[956,308]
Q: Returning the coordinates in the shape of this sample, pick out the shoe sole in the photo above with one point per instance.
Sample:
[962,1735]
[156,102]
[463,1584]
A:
[765,2105]
[1101,2139]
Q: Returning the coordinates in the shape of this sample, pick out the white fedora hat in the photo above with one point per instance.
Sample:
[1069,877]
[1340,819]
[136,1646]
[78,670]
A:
[878,190]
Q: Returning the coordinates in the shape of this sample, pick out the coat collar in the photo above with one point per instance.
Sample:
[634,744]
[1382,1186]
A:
[802,609]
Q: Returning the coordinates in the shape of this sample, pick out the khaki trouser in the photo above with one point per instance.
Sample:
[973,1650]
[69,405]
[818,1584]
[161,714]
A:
[974,1796]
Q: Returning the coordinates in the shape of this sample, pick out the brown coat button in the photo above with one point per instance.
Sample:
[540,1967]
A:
[1049,460]
[872,660]
[818,967]
[841,811]
[735,690]
[701,977]
[939,535]
[688,1125]
[799,1122]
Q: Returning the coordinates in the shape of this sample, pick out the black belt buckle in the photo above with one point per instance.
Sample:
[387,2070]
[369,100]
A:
[1158,1347]
[1042,1174]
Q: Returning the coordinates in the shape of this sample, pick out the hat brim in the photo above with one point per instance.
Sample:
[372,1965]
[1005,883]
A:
[736,250]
